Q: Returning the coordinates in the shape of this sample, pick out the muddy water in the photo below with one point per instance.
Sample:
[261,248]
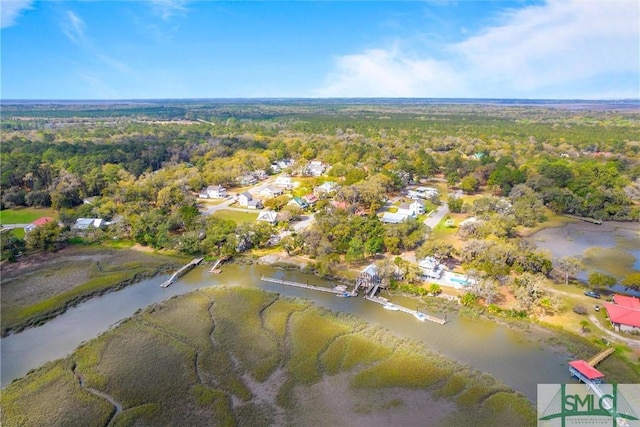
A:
[516,358]
[612,248]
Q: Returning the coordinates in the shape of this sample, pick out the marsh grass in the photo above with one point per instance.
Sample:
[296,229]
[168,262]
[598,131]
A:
[350,351]
[51,396]
[311,333]
[239,330]
[166,367]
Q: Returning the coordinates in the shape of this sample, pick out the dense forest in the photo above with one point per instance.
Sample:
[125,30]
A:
[142,166]
[578,162]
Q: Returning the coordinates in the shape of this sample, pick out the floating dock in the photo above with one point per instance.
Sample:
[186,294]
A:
[180,272]
[336,290]
[395,307]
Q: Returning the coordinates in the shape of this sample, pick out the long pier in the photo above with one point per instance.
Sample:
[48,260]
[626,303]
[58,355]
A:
[601,356]
[415,313]
[297,284]
[180,272]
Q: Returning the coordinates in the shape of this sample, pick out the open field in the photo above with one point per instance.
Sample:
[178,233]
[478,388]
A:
[44,285]
[25,215]
[238,217]
[238,356]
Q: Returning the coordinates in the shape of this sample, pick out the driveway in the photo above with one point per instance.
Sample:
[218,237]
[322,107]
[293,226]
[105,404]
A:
[437,216]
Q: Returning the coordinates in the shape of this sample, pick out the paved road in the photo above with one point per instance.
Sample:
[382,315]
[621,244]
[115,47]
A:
[10,226]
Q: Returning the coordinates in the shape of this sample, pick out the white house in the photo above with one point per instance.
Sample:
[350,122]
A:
[268,216]
[246,200]
[423,193]
[393,218]
[316,168]
[87,223]
[328,187]
[431,268]
[284,182]
[271,191]
[214,192]
[247,179]
[412,209]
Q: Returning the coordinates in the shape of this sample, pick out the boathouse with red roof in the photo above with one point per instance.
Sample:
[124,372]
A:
[585,372]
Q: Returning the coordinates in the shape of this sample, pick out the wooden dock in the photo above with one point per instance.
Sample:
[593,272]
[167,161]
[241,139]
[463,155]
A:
[215,268]
[299,285]
[415,313]
[601,356]
[180,272]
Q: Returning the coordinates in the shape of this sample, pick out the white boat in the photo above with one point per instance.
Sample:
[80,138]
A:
[420,316]
[389,306]
[343,294]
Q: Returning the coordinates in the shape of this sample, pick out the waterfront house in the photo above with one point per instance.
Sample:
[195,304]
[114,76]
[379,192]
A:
[431,268]
[368,276]
[624,313]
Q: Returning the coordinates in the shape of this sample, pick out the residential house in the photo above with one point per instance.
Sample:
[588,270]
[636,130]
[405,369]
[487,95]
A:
[412,209]
[300,202]
[393,218]
[423,193]
[89,223]
[260,175]
[38,222]
[316,168]
[431,268]
[268,216]
[247,179]
[325,189]
[284,182]
[246,200]
[368,276]
[271,191]
[213,192]
[310,198]
[624,313]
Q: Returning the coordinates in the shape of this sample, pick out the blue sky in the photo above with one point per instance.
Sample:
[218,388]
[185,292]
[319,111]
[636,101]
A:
[212,49]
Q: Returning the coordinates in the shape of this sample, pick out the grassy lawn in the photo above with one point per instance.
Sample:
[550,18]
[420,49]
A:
[238,217]
[25,215]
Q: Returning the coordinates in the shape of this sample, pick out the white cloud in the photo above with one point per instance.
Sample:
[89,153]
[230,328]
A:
[10,10]
[73,27]
[166,9]
[557,50]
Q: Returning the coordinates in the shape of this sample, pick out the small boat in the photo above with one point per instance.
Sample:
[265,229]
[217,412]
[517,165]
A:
[420,316]
[389,306]
[343,294]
